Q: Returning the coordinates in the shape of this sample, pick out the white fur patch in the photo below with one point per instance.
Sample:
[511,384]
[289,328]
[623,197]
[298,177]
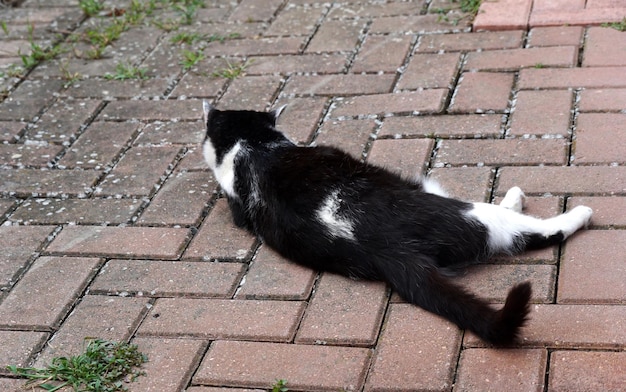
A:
[504,224]
[514,199]
[337,225]
[431,186]
[225,171]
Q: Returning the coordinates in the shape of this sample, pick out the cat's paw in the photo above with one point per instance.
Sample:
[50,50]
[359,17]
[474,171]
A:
[514,199]
[582,214]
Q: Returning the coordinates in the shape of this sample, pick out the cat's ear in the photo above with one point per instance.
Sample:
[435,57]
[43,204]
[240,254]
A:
[207,108]
[276,112]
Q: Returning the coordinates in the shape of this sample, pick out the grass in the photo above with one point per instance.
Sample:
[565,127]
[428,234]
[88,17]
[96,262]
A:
[232,70]
[469,7]
[190,58]
[125,72]
[280,386]
[90,7]
[38,54]
[102,367]
[620,26]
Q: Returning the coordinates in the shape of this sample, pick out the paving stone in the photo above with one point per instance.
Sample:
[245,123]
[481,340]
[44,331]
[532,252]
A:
[112,89]
[6,206]
[350,135]
[139,172]
[273,277]
[505,15]
[414,24]
[427,101]
[11,130]
[555,36]
[172,133]
[595,136]
[83,211]
[430,70]
[481,92]
[114,241]
[590,269]
[216,389]
[305,367]
[573,180]
[415,351]
[199,86]
[44,296]
[579,326]
[408,157]
[274,321]
[300,117]
[507,152]
[62,122]
[30,155]
[339,84]
[99,146]
[322,63]
[512,59]
[572,370]
[255,10]
[109,318]
[466,183]
[250,93]
[21,110]
[192,160]
[381,54]
[18,245]
[544,112]
[604,47]
[368,10]
[170,363]
[343,312]
[181,200]
[336,36]
[294,20]
[168,278]
[584,17]
[604,209]
[37,182]
[18,348]
[558,5]
[12,384]
[152,110]
[219,238]
[493,282]
[256,46]
[470,41]
[588,77]
[498,370]
[444,126]
[592,100]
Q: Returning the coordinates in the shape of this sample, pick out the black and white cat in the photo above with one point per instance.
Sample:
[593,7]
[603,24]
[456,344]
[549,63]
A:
[322,208]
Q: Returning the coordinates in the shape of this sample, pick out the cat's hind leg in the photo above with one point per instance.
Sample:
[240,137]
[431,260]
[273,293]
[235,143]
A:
[510,232]
[514,199]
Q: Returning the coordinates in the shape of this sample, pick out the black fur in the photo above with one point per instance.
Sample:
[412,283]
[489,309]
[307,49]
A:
[400,234]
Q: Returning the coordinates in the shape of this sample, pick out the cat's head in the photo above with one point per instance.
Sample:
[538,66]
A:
[233,129]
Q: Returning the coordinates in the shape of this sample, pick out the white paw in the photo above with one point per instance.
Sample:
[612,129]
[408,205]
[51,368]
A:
[514,199]
[582,214]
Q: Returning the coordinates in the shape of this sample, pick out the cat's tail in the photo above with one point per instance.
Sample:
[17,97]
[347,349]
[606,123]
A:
[424,286]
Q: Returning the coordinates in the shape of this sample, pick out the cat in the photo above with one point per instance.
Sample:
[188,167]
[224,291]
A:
[322,208]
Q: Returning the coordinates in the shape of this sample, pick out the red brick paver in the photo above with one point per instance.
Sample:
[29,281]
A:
[112,225]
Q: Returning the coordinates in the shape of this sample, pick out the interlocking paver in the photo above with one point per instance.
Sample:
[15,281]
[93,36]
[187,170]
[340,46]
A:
[343,312]
[543,112]
[569,371]
[103,181]
[42,297]
[112,318]
[154,242]
[305,367]
[480,92]
[273,277]
[590,272]
[497,370]
[595,133]
[274,321]
[414,336]
[154,278]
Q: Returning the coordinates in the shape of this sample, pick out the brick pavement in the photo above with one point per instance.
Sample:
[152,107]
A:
[112,226]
